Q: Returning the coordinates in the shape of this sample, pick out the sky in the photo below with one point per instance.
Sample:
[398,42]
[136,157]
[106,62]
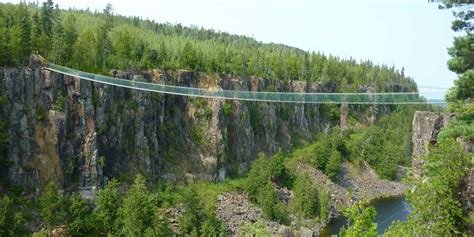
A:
[412,34]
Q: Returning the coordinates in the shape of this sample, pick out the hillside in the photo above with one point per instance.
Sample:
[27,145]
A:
[98,41]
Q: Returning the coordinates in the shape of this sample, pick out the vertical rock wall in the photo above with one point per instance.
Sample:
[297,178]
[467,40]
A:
[426,126]
[79,133]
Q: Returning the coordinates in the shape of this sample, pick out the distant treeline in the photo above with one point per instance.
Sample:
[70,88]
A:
[98,41]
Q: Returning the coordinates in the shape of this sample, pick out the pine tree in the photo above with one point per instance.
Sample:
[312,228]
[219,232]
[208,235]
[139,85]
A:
[188,59]
[25,35]
[79,218]
[53,206]
[107,204]
[58,41]
[47,16]
[137,211]
[306,200]
[70,37]
[36,33]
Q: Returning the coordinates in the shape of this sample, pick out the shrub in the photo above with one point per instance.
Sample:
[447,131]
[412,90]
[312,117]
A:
[306,200]
[136,213]
[334,165]
[53,206]
[227,108]
[59,103]
[107,205]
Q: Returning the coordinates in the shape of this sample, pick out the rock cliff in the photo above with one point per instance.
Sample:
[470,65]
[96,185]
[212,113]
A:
[426,126]
[79,133]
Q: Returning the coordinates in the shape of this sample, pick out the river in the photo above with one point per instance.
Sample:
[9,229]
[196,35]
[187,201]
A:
[388,211]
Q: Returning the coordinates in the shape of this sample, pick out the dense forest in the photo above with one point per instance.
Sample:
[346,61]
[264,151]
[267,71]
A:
[98,41]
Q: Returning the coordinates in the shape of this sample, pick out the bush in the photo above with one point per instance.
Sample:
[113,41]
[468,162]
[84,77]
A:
[324,204]
[59,103]
[334,165]
[256,229]
[361,221]
[53,206]
[137,211]
[12,223]
[80,222]
[227,108]
[259,186]
[306,200]
[40,114]
[107,205]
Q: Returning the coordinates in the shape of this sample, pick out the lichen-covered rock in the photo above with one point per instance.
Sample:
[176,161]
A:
[426,126]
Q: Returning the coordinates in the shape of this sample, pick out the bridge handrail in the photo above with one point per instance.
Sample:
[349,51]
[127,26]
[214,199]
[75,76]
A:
[283,97]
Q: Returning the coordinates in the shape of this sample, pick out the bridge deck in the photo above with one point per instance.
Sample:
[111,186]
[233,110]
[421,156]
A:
[281,97]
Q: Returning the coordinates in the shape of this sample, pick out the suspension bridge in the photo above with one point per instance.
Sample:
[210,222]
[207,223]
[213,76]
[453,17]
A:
[258,96]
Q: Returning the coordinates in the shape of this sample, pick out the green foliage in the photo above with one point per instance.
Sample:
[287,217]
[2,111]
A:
[192,216]
[385,145]
[59,103]
[12,223]
[361,221]
[101,162]
[436,209]
[328,152]
[188,59]
[99,41]
[324,204]
[95,97]
[138,209]
[107,204]
[259,186]
[199,217]
[256,229]
[461,127]
[161,226]
[227,108]
[306,199]
[198,135]
[79,218]
[334,165]
[461,96]
[40,114]
[53,206]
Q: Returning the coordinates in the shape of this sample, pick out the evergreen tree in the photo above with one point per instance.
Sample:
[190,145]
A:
[36,33]
[107,205]
[361,221]
[47,16]
[334,164]
[138,209]
[4,46]
[58,41]
[25,35]
[161,226]
[70,37]
[188,59]
[53,206]
[12,223]
[461,96]
[306,199]
[192,216]
[79,218]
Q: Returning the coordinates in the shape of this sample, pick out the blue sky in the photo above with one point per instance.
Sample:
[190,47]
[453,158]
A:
[413,34]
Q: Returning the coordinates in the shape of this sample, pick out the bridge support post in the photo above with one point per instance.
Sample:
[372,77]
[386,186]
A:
[344,113]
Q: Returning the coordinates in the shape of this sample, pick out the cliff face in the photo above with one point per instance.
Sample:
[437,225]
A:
[426,126]
[76,132]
